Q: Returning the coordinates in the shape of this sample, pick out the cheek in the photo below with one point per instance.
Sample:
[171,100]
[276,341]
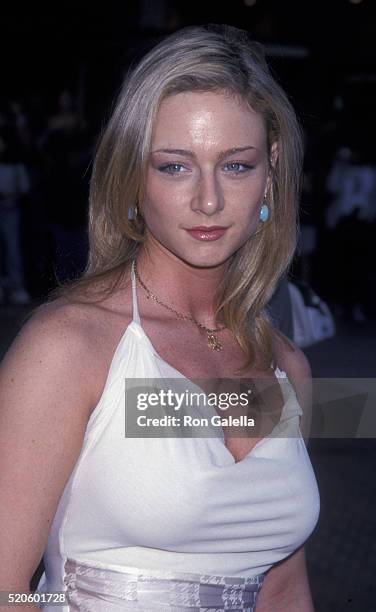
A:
[247,191]
[164,202]
[160,215]
[246,211]
[154,203]
[156,192]
[246,202]
[250,224]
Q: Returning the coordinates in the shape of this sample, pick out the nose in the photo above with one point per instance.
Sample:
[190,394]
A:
[208,198]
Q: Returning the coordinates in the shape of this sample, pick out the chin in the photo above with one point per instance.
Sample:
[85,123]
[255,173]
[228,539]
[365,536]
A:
[204,260]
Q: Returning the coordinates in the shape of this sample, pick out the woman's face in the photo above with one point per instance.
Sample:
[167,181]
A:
[208,168]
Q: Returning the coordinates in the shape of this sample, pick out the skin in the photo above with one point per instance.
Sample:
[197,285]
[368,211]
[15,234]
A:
[53,375]
[203,189]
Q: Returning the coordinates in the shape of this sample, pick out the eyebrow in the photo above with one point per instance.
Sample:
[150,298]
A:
[221,155]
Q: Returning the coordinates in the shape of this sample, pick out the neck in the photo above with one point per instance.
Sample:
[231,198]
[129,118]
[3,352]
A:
[187,288]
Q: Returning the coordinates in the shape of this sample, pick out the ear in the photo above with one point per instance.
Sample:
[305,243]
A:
[273,154]
[273,162]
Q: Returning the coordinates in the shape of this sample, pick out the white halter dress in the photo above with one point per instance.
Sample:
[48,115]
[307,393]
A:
[175,524]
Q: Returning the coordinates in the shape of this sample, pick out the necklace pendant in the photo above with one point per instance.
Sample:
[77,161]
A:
[213,342]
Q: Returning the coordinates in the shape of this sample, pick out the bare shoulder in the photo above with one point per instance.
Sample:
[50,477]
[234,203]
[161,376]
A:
[61,339]
[60,320]
[58,325]
[291,359]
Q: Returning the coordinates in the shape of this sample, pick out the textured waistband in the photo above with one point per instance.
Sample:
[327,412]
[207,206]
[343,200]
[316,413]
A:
[94,587]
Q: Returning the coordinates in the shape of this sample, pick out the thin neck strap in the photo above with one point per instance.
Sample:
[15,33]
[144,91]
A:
[136,315]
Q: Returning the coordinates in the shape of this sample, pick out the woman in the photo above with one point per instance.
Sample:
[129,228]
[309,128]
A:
[192,222]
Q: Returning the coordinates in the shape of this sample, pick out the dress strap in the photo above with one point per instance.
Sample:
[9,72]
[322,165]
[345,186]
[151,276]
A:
[136,315]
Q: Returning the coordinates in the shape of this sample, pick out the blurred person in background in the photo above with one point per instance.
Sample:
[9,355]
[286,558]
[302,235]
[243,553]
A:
[67,150]
[14,185]
[350,221]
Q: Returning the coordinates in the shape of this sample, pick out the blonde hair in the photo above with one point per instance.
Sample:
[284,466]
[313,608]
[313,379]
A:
[198,58]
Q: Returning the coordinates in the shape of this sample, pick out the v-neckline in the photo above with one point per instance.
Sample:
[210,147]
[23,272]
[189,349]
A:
[136,323]
[221,440]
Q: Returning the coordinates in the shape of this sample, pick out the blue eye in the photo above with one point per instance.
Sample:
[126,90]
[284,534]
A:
[236,170]
[233,167]
[170,168]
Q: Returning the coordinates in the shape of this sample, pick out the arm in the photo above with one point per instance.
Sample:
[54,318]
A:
[286,586]
[45,399]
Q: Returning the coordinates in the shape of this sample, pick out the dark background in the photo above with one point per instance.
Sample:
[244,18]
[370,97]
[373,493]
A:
[319,50]
[322,53]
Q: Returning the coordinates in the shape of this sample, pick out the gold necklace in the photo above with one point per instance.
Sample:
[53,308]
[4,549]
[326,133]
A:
[212,338]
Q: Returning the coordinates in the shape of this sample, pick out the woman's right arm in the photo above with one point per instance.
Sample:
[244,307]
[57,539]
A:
[46,395]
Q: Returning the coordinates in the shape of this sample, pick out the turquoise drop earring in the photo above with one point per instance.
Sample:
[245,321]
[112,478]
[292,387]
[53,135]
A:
[264,212]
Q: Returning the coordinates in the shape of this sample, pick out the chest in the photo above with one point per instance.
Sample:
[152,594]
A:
[187,349]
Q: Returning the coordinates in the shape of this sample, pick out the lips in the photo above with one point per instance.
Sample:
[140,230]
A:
[207,233]
[205,228]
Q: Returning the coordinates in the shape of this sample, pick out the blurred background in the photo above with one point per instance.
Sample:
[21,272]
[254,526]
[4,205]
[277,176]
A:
[63,63]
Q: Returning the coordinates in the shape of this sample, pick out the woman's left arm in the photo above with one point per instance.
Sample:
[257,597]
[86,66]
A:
[286,585]
[291,359]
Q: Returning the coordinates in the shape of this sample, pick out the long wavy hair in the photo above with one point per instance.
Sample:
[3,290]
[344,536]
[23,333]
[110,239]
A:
[197,59]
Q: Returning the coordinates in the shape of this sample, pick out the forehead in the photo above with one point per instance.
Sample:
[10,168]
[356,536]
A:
[206,118]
